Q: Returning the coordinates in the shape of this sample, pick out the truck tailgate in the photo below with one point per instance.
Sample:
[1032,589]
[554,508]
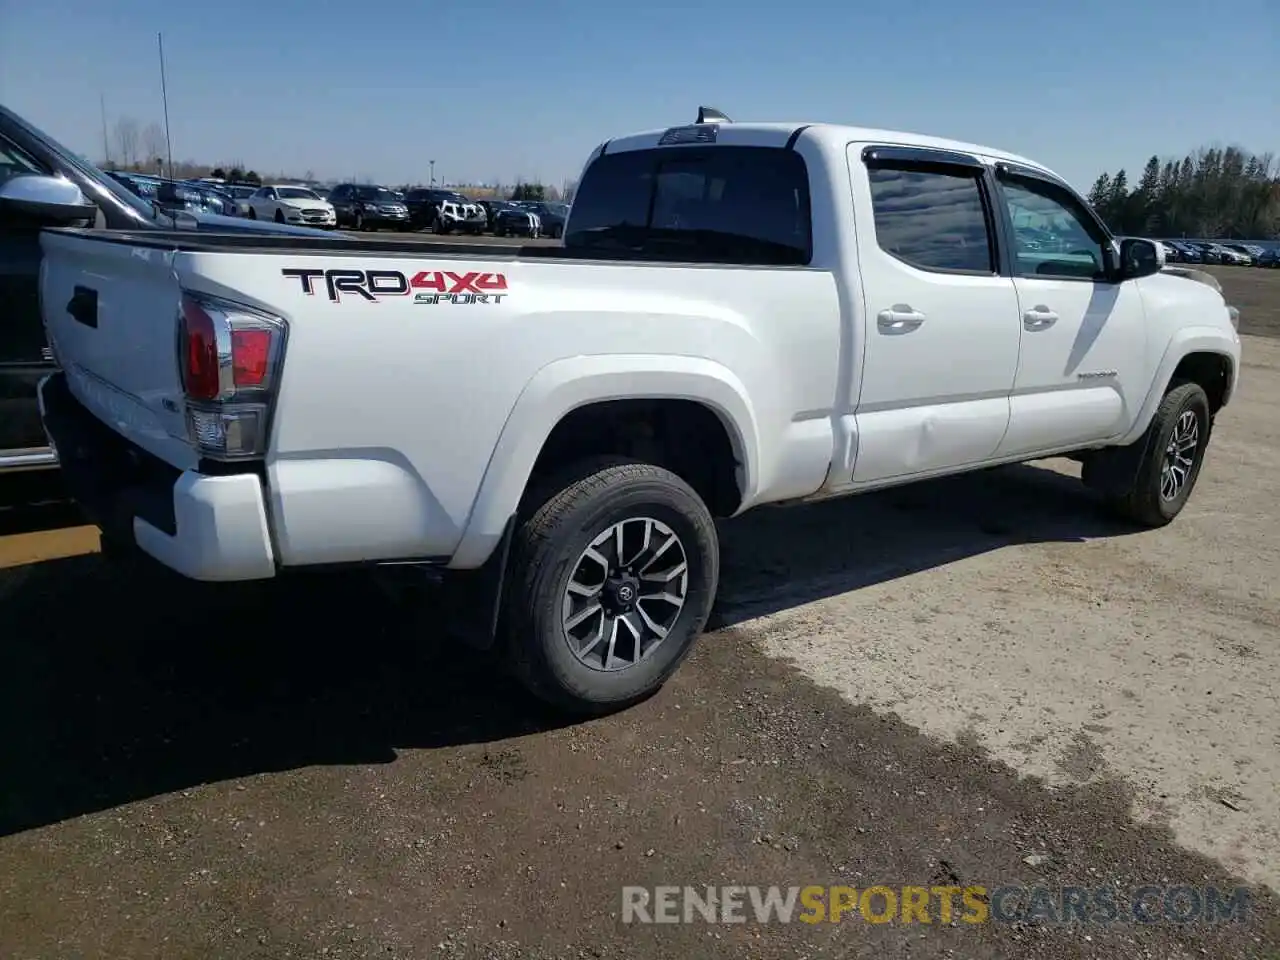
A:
[110,311]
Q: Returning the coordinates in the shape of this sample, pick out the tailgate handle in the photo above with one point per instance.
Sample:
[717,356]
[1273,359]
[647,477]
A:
[83,306]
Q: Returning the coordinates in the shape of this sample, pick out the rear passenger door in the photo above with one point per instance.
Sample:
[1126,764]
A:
[940,351]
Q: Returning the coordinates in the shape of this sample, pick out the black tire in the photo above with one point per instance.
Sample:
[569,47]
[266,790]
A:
[559,524]
[279,217]
[253,214]
[359,221]
[1144,503]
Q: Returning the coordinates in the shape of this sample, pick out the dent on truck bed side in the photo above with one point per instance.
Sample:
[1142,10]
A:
[567,384]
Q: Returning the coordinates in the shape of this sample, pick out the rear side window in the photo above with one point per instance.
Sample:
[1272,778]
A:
[932,218]
[747,205]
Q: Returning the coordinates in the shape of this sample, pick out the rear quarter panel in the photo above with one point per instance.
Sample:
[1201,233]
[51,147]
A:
[391,410]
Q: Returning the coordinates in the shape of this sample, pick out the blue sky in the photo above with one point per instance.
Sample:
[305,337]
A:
[492,89]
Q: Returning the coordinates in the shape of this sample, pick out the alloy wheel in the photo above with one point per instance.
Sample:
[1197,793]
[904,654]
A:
[625,594]
[1180,455]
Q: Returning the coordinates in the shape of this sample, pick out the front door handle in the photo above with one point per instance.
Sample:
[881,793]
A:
[899,318]
[1039,318]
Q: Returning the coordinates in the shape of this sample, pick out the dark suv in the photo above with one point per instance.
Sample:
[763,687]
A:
[444,211]
[552,214]
[367,207]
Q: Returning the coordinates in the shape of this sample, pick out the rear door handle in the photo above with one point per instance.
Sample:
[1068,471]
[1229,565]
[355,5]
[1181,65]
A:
[899,318]
[1039,318]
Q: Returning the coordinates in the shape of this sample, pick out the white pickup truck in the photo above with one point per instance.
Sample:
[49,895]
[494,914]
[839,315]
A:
[740,314]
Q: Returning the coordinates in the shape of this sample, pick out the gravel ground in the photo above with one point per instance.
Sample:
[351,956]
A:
[1072,651]
[975,681]
[1256,292]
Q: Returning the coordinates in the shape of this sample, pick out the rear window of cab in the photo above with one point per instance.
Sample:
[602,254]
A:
[720,204]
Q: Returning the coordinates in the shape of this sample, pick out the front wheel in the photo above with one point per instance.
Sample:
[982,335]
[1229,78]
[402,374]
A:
[1175,444]
[614,571]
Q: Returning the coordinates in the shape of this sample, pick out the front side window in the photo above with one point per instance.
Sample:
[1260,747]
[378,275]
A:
[932,218]
[746,205]
[1052,235]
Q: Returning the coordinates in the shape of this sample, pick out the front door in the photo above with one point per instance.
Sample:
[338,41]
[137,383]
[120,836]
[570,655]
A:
[24,353]
[1083,334]
[941,325]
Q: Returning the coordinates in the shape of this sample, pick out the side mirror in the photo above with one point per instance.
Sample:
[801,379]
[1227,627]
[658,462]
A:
[30,199]
[1140,258]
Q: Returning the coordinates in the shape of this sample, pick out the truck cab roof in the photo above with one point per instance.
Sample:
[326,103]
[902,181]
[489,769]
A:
[827,135]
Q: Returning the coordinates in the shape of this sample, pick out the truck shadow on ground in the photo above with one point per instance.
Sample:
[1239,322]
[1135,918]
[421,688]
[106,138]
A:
[776,558]
[117,685]
[35,501]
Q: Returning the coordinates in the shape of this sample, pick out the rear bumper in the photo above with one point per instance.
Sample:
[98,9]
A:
[204,527]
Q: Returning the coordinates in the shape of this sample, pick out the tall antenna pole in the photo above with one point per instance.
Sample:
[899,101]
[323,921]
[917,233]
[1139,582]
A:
[164,93]
[106,146]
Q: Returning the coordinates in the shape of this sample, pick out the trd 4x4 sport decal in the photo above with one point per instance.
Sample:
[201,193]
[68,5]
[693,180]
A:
[427,286]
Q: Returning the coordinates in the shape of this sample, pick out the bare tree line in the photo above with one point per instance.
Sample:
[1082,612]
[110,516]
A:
[143,149]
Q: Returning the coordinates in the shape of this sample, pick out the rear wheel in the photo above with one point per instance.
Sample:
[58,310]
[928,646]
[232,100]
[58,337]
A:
[253,214]
[1174,448]
[614,571]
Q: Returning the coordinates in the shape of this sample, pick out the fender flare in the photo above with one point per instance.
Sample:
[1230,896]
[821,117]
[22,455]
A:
[565,385]
[1186,341]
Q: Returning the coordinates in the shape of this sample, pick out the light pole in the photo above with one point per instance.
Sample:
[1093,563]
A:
[433,173]
[164,93]
[106,146]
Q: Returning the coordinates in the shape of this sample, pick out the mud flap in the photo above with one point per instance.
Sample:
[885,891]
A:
[473,598]
[1113,471]
[460,606]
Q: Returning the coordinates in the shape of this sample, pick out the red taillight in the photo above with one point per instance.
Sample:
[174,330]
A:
[229,357]
[199,353]
[250,356]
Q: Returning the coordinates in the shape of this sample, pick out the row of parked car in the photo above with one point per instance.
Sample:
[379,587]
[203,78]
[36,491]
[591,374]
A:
[354,205]
[1232,254]
[441,211]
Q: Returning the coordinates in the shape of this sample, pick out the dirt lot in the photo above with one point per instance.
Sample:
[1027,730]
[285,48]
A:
[1256,292]
[976,681]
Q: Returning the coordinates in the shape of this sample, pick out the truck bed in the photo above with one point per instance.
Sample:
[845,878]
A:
[187,241]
